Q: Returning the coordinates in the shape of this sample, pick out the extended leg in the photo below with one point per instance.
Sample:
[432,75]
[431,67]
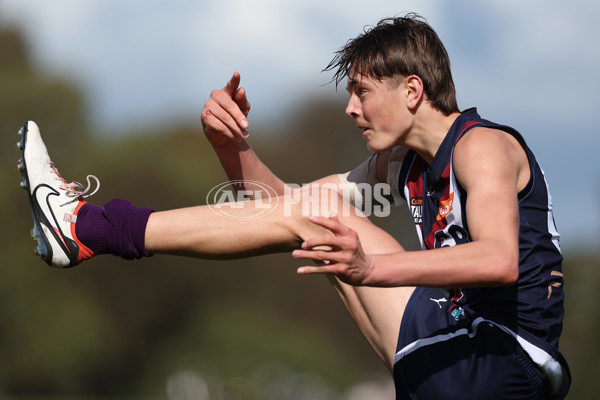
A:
[66,239]
[200,232]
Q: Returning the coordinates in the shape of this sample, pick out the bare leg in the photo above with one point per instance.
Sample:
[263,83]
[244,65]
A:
[201,232]
[377,311]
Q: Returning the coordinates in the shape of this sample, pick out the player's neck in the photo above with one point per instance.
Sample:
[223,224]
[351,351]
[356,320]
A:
[429,129]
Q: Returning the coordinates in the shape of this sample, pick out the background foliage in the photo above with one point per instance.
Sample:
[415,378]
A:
[169,326]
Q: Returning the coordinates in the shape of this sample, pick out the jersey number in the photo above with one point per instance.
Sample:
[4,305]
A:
[451,236]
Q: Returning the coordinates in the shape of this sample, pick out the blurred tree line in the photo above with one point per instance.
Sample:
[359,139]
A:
[246,329]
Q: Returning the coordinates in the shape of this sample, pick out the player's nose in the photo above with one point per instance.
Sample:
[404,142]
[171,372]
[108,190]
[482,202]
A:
[352,109]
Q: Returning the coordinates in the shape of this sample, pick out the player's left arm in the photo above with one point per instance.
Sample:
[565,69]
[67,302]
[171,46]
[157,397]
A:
[492,167]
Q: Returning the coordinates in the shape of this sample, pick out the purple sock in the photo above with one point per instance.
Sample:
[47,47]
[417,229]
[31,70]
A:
[117,228]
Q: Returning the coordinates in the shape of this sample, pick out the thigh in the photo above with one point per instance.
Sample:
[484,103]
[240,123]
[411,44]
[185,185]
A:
[377,311]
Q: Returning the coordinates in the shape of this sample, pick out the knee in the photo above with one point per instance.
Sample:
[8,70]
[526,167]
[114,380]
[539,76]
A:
[314,200]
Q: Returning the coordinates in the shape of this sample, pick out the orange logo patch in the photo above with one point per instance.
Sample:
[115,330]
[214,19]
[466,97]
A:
[445,207]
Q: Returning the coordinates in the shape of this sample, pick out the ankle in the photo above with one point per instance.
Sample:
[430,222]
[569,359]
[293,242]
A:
[117,228]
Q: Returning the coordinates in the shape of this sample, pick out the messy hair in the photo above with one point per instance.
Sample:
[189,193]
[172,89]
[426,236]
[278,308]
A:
[400,47]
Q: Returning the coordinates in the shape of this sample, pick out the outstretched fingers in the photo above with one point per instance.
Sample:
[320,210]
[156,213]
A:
[237,94]
[241,100]
[338,252]
[232,85]
[225,113]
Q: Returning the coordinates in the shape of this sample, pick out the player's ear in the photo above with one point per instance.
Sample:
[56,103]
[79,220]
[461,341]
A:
[414,92]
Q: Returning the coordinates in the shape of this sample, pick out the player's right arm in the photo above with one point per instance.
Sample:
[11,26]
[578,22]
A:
[225,124]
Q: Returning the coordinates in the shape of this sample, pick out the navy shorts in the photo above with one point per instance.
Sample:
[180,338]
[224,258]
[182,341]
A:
[444,354]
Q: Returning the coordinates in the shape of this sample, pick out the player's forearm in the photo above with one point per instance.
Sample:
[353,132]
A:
[476,264]
[243,165]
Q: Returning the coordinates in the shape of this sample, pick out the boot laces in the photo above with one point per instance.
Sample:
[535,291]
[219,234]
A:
[76,190]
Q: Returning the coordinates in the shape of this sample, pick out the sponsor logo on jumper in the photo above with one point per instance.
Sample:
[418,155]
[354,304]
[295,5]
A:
[416,209]
[445,207]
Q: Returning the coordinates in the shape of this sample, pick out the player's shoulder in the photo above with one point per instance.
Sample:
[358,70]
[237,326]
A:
[482,140]
[483,134]
[490,149]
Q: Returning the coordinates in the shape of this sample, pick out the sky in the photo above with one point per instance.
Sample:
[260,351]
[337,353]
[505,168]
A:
[529,64]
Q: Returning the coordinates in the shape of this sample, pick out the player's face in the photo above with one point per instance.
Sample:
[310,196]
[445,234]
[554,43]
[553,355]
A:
[379,109]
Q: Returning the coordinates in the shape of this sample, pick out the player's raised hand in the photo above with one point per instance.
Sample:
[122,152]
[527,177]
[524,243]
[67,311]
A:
[224,117]
[340,251]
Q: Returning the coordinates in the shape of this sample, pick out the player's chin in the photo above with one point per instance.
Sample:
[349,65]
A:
[376,147]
